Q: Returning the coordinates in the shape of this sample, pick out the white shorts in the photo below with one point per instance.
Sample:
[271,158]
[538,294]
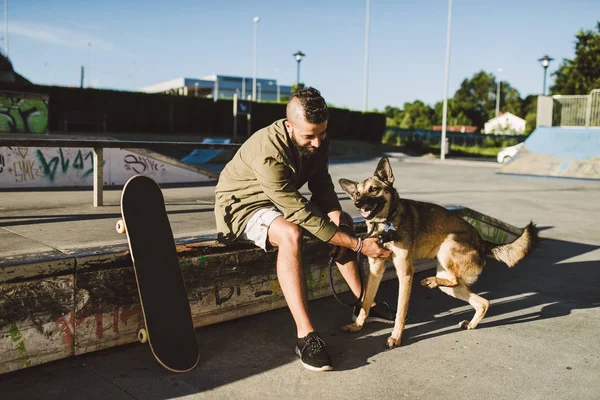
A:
[257,227]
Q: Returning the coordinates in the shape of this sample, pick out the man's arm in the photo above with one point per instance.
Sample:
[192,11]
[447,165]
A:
[344,238]
[370,246]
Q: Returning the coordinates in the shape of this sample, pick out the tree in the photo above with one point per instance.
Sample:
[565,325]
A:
[477,98]
[455,114]
[581,74]
[414,115]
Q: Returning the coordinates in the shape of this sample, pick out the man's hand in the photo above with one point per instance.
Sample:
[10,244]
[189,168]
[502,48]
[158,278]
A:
[371,248]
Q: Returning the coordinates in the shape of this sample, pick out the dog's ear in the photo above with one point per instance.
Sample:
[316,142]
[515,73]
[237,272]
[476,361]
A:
[349,187]
[384,171]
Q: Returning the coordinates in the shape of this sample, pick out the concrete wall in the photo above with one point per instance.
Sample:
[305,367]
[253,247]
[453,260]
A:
[47,167]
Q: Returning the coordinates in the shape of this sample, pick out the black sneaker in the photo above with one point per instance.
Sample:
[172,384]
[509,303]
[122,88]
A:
[312,353]
[380,312]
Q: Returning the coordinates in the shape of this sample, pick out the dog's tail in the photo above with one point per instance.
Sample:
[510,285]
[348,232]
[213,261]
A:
[513,252]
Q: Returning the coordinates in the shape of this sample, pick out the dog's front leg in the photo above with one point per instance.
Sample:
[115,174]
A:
[376,269]
[405,271]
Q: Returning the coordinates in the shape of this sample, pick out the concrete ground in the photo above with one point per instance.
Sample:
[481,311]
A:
[539,340]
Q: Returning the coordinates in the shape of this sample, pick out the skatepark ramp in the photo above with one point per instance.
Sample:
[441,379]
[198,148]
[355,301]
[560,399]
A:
[565,152]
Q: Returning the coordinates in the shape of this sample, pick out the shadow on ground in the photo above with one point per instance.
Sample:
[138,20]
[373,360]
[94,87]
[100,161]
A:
[235,350]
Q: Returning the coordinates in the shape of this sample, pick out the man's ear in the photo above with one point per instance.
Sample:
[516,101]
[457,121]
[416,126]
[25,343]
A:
[349,187]
[384,171]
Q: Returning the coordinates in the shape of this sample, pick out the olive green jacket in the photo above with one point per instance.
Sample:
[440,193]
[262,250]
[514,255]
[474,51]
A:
[267,171]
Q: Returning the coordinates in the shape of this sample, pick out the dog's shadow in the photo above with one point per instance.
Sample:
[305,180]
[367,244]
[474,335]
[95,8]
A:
[545,281]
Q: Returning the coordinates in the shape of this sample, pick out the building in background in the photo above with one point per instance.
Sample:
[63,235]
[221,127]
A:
[505,124]
[223,87]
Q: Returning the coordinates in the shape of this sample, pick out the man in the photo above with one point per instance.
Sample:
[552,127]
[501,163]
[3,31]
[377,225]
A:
[258,199]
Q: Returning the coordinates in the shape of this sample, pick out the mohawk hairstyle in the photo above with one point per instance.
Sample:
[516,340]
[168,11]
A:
[313,105]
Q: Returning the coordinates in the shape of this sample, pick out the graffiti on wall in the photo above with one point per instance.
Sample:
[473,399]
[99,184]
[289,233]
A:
[23,113]
[27,167]
[142,165]
[24,165]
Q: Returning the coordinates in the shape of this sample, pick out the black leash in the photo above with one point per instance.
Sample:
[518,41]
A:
[360,275]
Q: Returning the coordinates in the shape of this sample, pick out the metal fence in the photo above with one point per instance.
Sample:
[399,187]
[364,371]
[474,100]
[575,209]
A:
[577,110]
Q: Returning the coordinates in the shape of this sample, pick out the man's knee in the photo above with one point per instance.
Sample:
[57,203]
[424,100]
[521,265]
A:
[284,233]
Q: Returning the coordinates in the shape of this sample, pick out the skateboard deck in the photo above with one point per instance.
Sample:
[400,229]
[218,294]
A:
[169,328]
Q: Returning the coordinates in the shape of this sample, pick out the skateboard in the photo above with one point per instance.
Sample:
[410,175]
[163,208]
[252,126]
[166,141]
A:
[169,328]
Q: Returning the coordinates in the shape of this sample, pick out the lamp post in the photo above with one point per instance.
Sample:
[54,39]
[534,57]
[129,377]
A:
[367,56]
[89,46]
[6,27]
[545,62]
[256,19]
[259,92]
[445,109]
[298,56]
[498,94]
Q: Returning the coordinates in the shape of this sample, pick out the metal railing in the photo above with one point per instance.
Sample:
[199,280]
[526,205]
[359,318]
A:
[577,110]
[100,145]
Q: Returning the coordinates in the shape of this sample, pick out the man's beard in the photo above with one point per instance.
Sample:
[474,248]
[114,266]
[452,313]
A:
[304,152]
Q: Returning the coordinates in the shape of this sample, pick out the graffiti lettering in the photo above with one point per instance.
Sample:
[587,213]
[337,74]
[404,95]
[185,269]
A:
[141,165]
[23,113]
[222,299]
[25,170]
[2,165]
[49,167]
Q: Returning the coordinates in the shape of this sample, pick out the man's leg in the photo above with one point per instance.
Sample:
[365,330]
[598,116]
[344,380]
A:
[347,262]
[288,238]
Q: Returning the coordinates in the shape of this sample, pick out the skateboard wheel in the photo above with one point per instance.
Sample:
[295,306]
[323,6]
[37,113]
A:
[120,226]
[142,336]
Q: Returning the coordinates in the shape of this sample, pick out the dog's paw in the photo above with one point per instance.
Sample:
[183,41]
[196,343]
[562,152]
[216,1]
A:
[465,325]
[431,283]
[393,342]
[352,328]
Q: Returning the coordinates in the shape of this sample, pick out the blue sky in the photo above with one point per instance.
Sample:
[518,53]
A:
[137,43]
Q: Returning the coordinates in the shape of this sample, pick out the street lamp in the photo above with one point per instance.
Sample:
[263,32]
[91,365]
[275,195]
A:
[498,94]
[256,19]
[298,56]
[545,62]
[89,46]
[6,27]
[368,13]
[445,108]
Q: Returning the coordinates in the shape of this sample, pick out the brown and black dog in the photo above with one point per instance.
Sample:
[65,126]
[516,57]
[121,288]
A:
[426,231]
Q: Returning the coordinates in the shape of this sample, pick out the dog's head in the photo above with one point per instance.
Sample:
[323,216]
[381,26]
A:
[373,196]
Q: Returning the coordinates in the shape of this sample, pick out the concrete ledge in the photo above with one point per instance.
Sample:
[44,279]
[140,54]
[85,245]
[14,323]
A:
[54,306]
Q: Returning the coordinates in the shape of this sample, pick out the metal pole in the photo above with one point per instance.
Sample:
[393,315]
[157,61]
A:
[498,86]
[89,46]
[367,56]
[544,88]
[6,26]
[445,110]
[256,19]
[298,74]
[235,100]
[498,99]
